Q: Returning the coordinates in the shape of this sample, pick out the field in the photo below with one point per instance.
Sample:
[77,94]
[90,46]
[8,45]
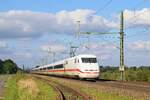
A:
[104,90]
[26,87]
[23,87]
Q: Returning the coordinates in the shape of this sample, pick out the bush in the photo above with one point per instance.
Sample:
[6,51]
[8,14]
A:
[143,75]
[131,73]
[8,67]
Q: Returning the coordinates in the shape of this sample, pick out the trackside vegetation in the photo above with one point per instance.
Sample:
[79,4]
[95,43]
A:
[141,73]
[98,93]
[103,95]
[24,87]
[8,67]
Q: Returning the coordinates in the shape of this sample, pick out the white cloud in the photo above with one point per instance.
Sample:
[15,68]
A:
[103,54]
[102,50]
[24,24]
[99,45]
[53,48]
[23,55]
[137,18]
[140,46]
[16,23]
[3,44]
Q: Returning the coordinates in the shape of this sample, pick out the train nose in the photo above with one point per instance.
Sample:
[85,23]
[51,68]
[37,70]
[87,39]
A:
[89,75]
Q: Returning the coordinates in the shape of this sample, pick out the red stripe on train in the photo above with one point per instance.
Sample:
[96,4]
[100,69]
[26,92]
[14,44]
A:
[72,70]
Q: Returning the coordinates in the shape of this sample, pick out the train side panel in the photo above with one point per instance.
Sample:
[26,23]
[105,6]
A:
[71,67]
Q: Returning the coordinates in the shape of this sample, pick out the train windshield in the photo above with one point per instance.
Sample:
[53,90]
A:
[89,60]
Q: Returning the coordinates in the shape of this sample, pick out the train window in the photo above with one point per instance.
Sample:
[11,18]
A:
[58,66]
[76,61]
[89,60]
[49,67]
[44,68]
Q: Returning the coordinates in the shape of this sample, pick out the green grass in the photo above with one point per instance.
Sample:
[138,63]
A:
[14,92]
[130,74]
[102,95]
[45,91]
[11,92]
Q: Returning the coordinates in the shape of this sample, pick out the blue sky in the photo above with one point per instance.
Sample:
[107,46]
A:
[29,27]
[69,5]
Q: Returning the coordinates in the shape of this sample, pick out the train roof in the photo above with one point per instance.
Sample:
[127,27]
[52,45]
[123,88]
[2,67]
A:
[86,55]
[62,61]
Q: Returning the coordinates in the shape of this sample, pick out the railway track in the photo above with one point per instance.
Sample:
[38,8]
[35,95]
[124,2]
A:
[130,86]
[134,89]
[64,92]
[134,86]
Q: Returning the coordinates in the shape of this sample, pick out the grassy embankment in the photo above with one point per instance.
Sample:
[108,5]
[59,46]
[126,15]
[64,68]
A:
[23,87]
[98,92]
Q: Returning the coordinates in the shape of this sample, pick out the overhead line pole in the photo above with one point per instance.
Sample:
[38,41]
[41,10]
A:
[121,68]
[78,30]
[72,50]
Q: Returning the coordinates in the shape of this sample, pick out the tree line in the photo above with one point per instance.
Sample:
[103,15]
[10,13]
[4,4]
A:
[8,67]
[133,73]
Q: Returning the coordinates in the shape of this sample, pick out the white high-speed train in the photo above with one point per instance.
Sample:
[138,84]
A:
[81,66]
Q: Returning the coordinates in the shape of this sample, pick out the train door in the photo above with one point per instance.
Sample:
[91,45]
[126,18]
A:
[65,64]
